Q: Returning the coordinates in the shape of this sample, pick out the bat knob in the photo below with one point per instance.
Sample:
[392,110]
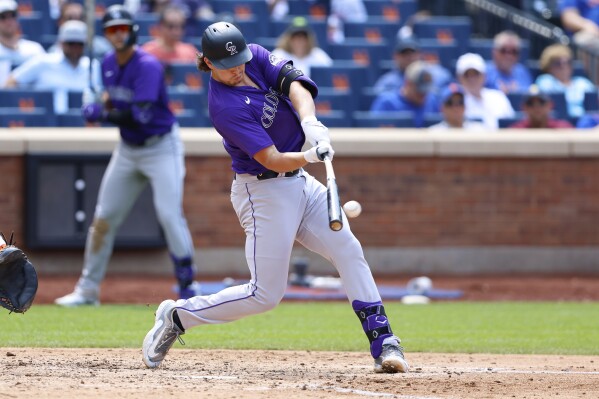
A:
[336,225]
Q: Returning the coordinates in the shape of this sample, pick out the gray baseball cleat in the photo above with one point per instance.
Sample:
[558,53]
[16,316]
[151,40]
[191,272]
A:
[391,359]
[162,336]
[78,298]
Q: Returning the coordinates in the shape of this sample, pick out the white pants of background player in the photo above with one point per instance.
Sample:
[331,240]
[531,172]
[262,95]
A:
[129,171]
[274,214]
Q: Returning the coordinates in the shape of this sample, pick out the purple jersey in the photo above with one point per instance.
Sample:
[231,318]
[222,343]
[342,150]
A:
[251,119]
[141,80]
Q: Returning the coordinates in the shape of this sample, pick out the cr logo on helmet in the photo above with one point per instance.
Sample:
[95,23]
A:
[230,47]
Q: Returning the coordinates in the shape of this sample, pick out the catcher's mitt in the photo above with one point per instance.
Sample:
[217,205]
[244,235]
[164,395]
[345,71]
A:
[18,279]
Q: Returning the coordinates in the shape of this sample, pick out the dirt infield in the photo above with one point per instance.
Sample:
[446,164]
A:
[231,374]
[119,373]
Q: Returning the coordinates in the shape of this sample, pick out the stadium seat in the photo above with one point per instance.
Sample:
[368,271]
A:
[34,26]
[393,11]
[186,75]
[75,99]
[375,30]
[342,76]
[365,98]
[243,9]
[435,52]
[591,101]
[329,101]
[560,108]
[251,26]
[72,118]
[148,24]
[192,118]
[361,51]
[507,122]
[34,117]
[388,119]
[28,7]
[446,30]
[335,119]
[26,99]
[316,10]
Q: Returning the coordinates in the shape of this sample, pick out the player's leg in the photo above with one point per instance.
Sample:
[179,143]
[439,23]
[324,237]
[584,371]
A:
[164,165]
[120,187]
[270,212]
[344,251]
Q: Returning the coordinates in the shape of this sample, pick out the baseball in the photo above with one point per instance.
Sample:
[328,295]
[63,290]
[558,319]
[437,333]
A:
[352,209]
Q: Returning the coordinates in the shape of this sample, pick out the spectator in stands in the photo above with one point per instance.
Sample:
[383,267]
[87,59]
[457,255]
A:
[344,11]
[482,103]
[537,107]
[73,11]
[299,44]
[414,95]
[556,64]
[168,47]
[407,51]
[60,72]
[504,72]
[194,10]
[453,110]
[581,17]
[14,50]
[278,9]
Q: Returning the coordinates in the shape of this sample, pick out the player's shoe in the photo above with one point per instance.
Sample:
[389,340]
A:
[162,336]
[391,359]
[78,298]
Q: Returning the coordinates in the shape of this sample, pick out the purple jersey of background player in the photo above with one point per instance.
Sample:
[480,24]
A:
[141,80]
[235,109]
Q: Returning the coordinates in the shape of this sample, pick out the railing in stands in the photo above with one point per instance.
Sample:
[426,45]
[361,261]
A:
[491,17]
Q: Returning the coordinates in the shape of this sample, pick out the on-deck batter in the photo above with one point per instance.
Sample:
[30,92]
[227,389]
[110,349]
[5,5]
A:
[150,150]
[256,102]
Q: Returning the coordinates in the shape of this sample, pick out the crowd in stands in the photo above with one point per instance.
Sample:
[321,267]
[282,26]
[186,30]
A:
[378,63]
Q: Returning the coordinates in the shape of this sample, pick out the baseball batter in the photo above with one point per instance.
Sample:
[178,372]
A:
[150,150]
[264,109]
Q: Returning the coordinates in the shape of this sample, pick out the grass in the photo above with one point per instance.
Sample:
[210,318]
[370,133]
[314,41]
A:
[464,327]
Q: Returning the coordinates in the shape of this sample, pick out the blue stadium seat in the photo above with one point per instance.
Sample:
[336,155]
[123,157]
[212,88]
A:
[437,52]
[189,106]
[26,99]
[186,75]
[507,122]
[328,101]
[342,76]
[394,11]
[365,98]
[251,26]
[34,26]
[375,30]
[26,7]
[484,47]
[446,30]
[192,118]
[75,99]
[389,119]
[335,119]
[269,43]
[35,117]
[148,23]
[243,9]
[591,101]
[361,51]
[72,118]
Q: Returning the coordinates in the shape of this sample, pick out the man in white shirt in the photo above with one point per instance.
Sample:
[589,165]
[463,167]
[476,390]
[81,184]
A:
[486,105]
[60,72]
[14,50]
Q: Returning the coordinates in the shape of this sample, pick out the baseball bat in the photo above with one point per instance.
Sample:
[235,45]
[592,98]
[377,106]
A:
[333,202]
[90,20]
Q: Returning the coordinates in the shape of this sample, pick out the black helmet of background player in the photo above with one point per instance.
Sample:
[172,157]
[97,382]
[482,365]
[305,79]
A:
[224,45]
[118,15]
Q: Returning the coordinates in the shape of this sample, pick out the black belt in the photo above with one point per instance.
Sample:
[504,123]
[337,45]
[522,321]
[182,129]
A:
[149,141]
[271,174]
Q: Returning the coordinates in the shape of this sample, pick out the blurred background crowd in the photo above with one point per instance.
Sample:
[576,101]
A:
[434,64]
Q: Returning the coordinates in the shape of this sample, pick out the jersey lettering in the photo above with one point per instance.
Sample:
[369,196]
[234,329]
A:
[269,111]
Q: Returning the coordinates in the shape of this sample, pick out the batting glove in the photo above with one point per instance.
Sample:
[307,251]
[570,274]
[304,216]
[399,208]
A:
[315,131]
[93,112]
[317,153]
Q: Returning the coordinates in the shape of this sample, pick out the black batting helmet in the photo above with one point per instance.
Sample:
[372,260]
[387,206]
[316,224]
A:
[224,45]
[119,15]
